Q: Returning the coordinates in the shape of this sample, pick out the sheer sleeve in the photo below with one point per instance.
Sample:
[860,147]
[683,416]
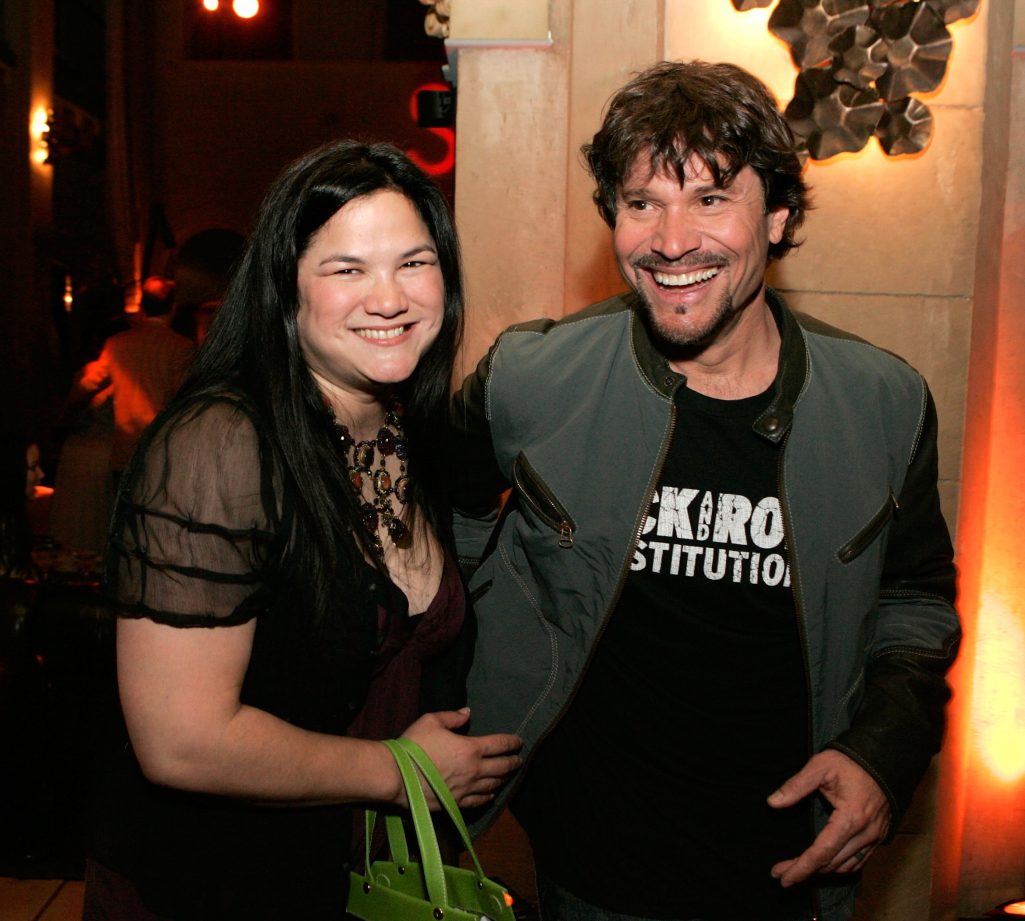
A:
[194,532]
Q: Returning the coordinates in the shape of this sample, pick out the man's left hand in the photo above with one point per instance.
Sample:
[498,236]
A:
[860,819]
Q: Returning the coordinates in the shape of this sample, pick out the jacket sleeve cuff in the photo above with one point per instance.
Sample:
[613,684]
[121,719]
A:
[899,724]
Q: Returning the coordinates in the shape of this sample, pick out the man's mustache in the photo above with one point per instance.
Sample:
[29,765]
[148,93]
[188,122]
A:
[688,261]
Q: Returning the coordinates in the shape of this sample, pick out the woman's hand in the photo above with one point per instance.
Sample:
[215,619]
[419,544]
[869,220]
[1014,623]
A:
[180,695]
[474,767]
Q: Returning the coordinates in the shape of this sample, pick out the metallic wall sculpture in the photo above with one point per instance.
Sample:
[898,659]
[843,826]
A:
[436,19]
[859,62]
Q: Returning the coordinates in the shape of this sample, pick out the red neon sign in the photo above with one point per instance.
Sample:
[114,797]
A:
[448,160]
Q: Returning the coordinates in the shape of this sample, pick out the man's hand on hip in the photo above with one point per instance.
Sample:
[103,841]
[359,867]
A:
[860,819]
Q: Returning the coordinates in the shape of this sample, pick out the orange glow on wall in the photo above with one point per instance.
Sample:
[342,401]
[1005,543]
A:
[446,162]
[998,674]
[998,688]
[979,848]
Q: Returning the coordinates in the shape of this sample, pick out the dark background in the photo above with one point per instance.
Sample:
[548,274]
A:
[169,123]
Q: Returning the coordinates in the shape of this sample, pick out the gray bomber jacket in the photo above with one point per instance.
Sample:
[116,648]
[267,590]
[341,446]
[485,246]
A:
[576,416]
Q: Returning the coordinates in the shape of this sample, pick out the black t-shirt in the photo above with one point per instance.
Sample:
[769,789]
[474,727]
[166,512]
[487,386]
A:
[648,797]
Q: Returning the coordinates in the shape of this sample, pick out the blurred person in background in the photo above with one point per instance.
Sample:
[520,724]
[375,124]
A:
[21,477]
[83,493]
[143,366]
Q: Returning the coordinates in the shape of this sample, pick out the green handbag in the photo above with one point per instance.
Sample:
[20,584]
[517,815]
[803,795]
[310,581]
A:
[401,889]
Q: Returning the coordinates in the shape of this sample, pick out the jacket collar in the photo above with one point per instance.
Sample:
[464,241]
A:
[791,375]
[653,365]
[775,420]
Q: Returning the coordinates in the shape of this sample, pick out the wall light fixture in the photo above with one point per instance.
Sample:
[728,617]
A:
[39,133]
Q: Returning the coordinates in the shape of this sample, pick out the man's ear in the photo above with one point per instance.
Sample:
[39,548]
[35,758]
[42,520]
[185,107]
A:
[777,221]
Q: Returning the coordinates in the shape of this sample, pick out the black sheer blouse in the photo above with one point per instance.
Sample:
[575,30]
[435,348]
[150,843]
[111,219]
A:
[196,535]
[198,541]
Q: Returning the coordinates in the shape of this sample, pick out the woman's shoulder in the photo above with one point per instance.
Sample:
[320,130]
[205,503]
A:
[219,422]
[215,409]
[214,445]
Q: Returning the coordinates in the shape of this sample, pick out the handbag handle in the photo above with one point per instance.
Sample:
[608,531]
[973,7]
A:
[411,758]
[444,796]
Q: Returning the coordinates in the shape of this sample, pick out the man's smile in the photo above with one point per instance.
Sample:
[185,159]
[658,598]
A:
[669,280]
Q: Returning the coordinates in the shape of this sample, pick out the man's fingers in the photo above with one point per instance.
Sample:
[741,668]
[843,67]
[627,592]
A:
[791,872]
[820,853]
[850,858]
[858,822]
[795,789]
[823,857]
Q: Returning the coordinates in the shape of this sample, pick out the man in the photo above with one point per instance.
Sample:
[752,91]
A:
[144,366]
[718,608]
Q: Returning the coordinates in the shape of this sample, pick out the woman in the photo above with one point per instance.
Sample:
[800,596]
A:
[280,561]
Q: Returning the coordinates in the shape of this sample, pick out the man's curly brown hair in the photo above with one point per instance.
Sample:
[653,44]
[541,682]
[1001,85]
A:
[717,112]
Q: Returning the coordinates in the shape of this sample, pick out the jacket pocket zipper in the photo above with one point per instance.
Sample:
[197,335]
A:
[542,501]
[857,544]
[480,591]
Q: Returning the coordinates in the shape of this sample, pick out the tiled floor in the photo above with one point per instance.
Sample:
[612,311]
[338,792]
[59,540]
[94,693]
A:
[40,899]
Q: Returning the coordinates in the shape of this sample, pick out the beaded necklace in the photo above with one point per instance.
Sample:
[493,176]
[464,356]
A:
[359,463]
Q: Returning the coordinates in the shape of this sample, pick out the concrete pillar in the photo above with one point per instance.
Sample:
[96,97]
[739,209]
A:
[532,241]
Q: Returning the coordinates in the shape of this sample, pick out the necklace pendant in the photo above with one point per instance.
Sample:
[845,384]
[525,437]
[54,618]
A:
[382,482]
[386,442]
[363,457]
[379,514]
[397,529]
[369,515]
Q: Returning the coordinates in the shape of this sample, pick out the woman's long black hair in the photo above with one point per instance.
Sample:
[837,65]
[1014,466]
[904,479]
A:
[253,348]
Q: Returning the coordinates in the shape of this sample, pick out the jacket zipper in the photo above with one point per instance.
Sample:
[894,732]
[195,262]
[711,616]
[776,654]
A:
[802,631]
[555,516]
[853,548]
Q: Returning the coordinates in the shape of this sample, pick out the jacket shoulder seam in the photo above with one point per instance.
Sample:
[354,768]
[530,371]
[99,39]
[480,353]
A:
[529,328]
